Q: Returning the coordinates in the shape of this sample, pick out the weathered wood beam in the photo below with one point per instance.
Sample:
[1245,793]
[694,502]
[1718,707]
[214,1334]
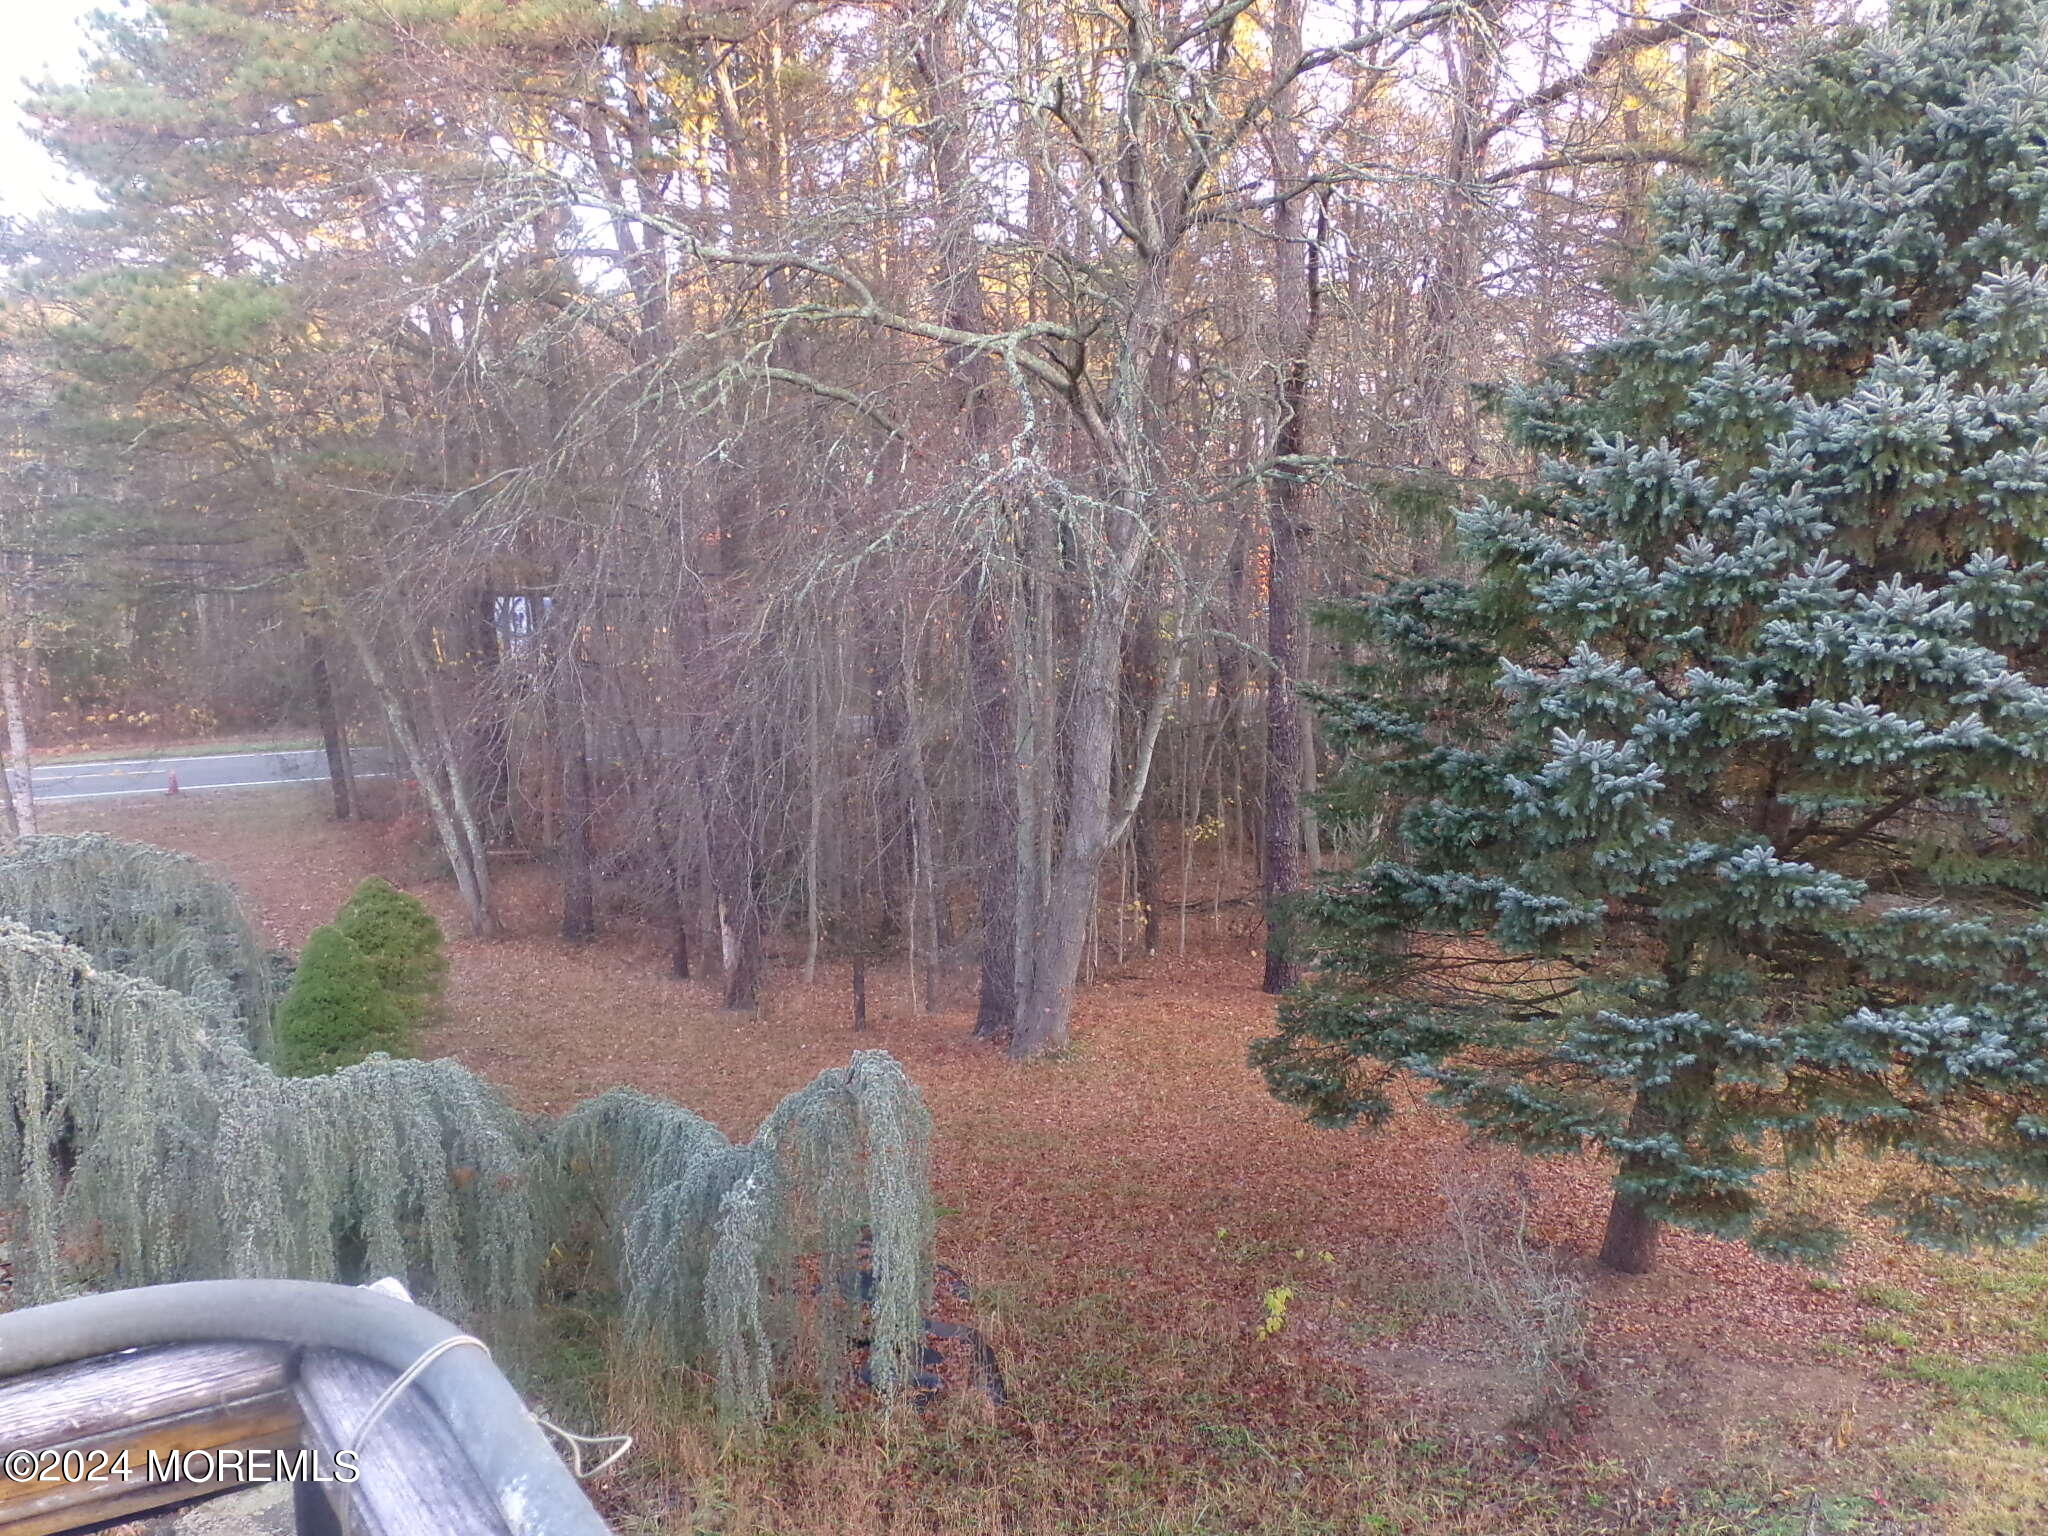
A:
[94,1427]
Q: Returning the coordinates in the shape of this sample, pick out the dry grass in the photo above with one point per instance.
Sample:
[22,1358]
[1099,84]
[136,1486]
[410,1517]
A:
[1533,1299]
[1123,1213]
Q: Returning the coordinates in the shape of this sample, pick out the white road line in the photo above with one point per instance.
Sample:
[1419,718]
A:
[183,789]
[153,762]
[190,789]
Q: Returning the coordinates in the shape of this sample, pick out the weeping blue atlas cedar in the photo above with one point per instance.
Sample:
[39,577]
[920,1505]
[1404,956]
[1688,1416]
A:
[144,1139]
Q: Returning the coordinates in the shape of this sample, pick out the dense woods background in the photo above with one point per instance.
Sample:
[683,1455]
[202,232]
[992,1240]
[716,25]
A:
[854,473]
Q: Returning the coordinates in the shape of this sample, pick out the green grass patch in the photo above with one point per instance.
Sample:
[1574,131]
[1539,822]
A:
[1892,1298]
[2011,1393]
[1986,1450]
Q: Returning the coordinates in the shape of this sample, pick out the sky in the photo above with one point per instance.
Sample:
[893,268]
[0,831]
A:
[37,38]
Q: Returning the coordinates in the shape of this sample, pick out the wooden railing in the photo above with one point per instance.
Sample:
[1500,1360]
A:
[126,1433]
[120,1434]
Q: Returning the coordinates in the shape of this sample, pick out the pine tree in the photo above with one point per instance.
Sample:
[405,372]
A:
[1705,809]
[337,1012]
[401,941]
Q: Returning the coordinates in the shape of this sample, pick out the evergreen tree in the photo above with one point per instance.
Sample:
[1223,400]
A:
[337,1012]
[1705,810]
[401,941]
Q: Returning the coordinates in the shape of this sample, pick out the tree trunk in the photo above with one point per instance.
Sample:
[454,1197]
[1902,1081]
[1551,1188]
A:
[1145,858]
[20,783]
[1282,840]
[7,800]
[1630,1245]
[579,900]
[1445,422]
[1109,546]
[731,857]
[333,736]
[472,876]
[1296,307]
[1061,934]
[1141,696]
[814,788]
[459,803]
[924,841]
[695,824]
[971,375]
[896,836]
[860,993]
[742,917]
[1311,824]
[995,1016]
[1034,669]
[1060,937]
[488,734]
[679,962]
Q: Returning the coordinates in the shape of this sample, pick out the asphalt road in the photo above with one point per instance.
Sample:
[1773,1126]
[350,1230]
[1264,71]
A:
[231,770]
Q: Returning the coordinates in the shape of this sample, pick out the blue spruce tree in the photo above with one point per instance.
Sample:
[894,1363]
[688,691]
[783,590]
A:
[1708,813]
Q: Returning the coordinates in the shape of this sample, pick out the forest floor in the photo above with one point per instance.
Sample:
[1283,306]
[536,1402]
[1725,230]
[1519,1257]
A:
[1212,1317]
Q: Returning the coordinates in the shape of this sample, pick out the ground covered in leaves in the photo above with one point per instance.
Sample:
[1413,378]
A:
[1210,1316]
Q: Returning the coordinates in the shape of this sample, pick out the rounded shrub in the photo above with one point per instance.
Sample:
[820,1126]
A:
[401,941]
[338,1012]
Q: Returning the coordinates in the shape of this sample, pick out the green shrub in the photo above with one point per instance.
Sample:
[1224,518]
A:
[337,1012]
[399,938]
